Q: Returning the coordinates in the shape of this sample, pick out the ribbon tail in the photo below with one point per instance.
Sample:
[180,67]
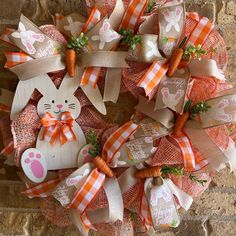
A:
[112,85]
[184,199]
[92,93]
[115,200]
[230,154]
[76,220]
[205,68]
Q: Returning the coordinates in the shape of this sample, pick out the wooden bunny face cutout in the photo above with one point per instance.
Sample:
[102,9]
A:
[60,138]
[56,101]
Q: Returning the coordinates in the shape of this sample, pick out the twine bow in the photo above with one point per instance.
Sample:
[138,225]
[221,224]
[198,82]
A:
[54,128]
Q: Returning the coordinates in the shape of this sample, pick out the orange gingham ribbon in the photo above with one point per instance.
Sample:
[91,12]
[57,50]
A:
[88,191]
[133,14]
[91,74]
[201,32]
[129,21]
[93,19]
[42,190]
[145,213]
[158,70]
[192,161]
[8,150]
[117,139]
[153,76]
[54,128]
[5,36]
[16,58]
[86,222]
[187,152]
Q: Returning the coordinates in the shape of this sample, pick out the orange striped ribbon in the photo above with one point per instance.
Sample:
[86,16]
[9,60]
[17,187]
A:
[187,151]
[91,74]
[133,14]
[16,58]
[117,139]
[42,190]
[54,128]
[88,191]
[157,70]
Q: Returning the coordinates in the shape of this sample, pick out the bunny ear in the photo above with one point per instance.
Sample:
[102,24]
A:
[223,103]
[165,92]
[106,25]
[69,84]
[178,11]
[21,27]
[179,94]
[24,90]
[93,94]
[166,12]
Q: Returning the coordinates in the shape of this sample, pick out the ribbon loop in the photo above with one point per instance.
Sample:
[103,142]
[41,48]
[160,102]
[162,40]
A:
[54,128]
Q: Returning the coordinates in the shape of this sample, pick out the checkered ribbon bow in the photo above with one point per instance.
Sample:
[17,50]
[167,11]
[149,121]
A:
[54,128]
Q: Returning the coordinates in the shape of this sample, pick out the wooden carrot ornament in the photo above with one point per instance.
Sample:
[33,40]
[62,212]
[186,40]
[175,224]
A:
[102,166]
[74,45]
[156,171]
[189,112]
[176,58]
[70,61]
[95,152]
[148,172]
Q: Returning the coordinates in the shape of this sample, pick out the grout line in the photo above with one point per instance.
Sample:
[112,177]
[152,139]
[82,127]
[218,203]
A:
[23,210]
[11,182]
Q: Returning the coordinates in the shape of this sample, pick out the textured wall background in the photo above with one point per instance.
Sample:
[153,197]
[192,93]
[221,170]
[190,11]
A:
[214,213]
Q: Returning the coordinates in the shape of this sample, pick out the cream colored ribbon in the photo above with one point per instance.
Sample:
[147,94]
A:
[164,116]
[112,83]
[64,193]
[205,68]
[215,156]
[115,210]
[221,111]
[103,59]
[184,199]
[40,66]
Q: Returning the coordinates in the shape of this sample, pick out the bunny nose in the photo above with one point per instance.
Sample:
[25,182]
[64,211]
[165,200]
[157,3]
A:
[59,106]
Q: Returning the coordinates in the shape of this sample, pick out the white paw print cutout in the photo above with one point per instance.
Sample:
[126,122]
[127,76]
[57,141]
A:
[172,18]
[74,27]
[28,38]
[153,50]
[106,34]
[34,165]
[84,156]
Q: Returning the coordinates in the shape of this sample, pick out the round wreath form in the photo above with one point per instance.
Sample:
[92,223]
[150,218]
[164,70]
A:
[132,178]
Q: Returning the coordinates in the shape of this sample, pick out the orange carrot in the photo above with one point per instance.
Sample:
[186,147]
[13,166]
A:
[180,122]
[154,171]
[102,166]
[175,60]
[70,61]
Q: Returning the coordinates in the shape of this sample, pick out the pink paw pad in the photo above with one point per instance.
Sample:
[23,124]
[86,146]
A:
[34,165]
[84,155]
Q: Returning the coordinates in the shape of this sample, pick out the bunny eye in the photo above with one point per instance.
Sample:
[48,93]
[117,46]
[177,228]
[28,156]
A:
[53,101]
[66,101]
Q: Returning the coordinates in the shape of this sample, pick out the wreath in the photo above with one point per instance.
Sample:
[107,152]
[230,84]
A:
[135,176]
